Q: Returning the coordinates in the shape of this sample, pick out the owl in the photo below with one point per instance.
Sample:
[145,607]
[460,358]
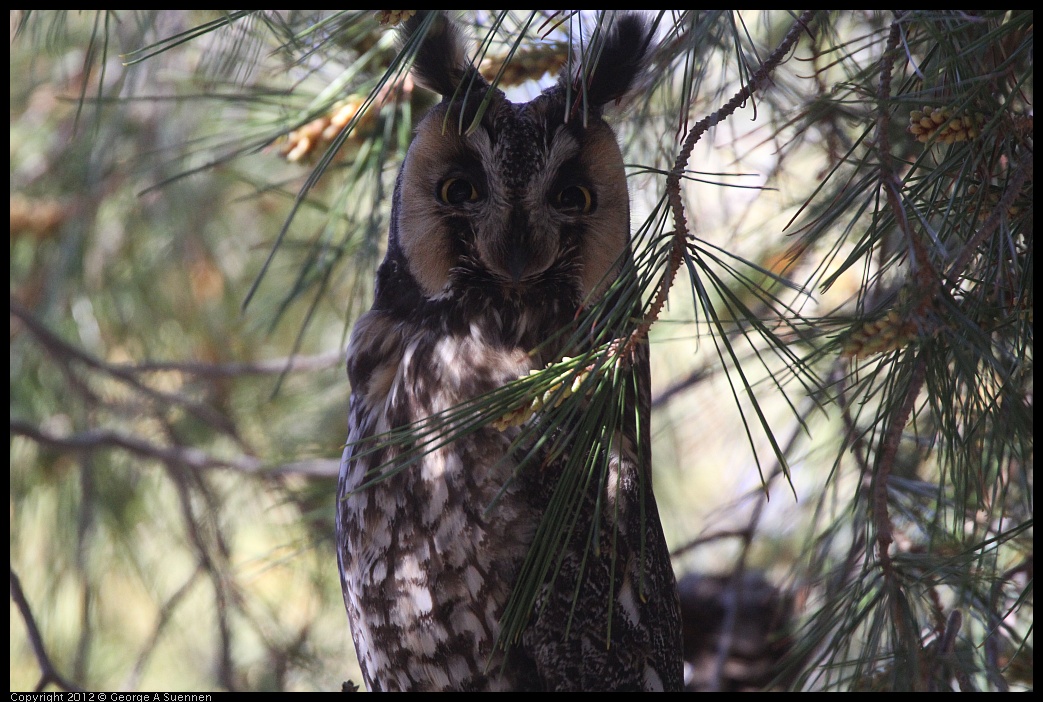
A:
[510,224]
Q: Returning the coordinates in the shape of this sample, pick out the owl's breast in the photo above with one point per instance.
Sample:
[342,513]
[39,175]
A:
[429,553]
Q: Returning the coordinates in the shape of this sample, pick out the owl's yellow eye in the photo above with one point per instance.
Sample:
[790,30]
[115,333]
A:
[457,191]
[575,197]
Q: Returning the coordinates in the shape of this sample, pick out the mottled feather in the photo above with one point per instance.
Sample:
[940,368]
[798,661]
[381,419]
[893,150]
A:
[501,239]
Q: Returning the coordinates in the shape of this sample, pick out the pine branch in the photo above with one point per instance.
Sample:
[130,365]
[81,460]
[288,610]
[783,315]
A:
[680,234]
[48,673]
[187,456]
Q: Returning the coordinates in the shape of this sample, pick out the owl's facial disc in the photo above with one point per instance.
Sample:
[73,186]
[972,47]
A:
[522,194]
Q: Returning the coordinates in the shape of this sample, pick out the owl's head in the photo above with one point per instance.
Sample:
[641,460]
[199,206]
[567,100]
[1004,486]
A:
[519,190]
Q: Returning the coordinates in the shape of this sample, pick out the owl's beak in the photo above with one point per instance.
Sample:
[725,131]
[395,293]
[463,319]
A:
[517,261]
[519,247]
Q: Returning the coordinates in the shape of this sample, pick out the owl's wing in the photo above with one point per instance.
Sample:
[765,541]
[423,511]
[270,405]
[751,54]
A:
[610,620]
[351,475]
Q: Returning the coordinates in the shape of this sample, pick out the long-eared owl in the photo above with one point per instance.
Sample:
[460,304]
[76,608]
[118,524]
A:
[510,223]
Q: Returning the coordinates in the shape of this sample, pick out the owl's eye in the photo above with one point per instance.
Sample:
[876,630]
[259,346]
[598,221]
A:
[457,191]
[575,197]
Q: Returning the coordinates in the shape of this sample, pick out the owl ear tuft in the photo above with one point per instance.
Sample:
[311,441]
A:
[615,60]
[440,62]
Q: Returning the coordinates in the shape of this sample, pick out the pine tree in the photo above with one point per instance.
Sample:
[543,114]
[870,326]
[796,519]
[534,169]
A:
[834,253]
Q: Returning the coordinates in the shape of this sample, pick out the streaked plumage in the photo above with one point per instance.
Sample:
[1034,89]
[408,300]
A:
[498,240]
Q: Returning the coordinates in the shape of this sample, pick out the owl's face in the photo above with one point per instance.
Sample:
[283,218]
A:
[531,191]
[524,192]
